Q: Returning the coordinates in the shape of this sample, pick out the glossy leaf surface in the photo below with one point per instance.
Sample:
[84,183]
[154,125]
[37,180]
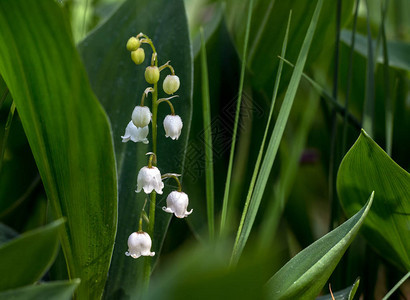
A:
[25,259]
[305,274]
[57,290]
[67,130]
[367,167]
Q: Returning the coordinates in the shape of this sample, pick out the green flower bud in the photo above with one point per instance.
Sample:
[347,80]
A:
[133,44]
[152,74]
[138,56]
[170,84]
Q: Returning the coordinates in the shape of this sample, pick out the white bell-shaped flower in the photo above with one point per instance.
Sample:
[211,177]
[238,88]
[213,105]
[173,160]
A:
[139,244]
[149,179]
[141,116]
[177,203]
[135,134]
[173,126]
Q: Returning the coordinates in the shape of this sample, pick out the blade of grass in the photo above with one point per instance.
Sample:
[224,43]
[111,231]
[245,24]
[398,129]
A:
[261,29]
[235,128]
[248,220]
[328,97]
[397,285]
[290,166]
[368,110]
[262,147]
[349,76]
[389,106]
[333,159]
[206,113]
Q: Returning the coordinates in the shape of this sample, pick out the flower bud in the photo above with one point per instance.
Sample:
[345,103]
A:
[135,134]
[149,179]
[170,84]
[173,126]
[138,56]
[139,244]
[141,116]
[152,74]
[133,44]
[177,203]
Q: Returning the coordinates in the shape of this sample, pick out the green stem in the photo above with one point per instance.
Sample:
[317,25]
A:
[148,259]
[174,176]
[167,65]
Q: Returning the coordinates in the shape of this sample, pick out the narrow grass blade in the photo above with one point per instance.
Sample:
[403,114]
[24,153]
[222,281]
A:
[287,176]
[349,77]
[265,135]
[243,232]
[329,98]
[206,113]
[305,274]
[333,157]
[368,109]
[387,96]
[396,286]
[235,128]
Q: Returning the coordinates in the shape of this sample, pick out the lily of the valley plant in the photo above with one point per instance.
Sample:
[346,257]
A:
[149,177]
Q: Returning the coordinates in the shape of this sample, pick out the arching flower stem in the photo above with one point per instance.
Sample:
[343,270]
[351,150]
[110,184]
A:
[169,103]
[141,216]
[167,65]
[145,94]
[174,176]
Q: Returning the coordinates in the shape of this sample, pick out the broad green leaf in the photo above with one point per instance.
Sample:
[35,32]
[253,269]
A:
[305,274]
[271,151]
[398,51]
[119,84]
[367,167]
[57,290]
[25,259]
[68,133]
[345,294]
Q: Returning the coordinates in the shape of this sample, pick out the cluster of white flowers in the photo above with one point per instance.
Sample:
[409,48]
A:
[149,177]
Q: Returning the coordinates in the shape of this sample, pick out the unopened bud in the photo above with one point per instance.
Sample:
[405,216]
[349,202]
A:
[152,74]
[138,56]
[133,44]
[170,84]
